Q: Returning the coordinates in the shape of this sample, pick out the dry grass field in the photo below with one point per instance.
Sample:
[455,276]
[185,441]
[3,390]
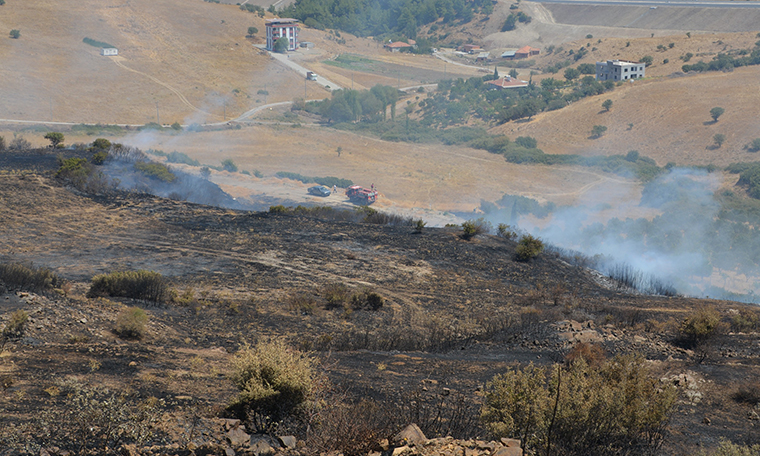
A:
[203,68]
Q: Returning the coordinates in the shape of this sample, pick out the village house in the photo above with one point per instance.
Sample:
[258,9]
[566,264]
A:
[470,48]
[507,82]
[526,51]
[282,28]
[619,70]
[397,46]
[109,51]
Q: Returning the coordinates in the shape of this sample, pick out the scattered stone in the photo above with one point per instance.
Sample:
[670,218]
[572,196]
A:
[288,441]
[260,446]
[401,450]
[229,451]
[706,421]
[752,415]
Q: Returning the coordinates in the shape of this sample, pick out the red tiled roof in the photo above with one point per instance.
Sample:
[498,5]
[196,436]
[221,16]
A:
[398,44]
[507,82]
[527,50]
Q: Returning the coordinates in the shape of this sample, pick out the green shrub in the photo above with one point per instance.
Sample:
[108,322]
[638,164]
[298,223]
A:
[179,157]
[528,247]
[229,165]
[472,228]
[279,209]
[155,171]
[131,323]
[576,409]
[19,277]
[701,326]
[98,158]
[274,381]
[754,146]
[74,171]
[96,43]
[419,225]
[506,232]
[145,285]
[746,320]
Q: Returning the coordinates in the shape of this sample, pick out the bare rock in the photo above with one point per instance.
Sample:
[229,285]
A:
[401,450]
[288,441]
[237,437]
[511,443]
[410,435]
[509,451]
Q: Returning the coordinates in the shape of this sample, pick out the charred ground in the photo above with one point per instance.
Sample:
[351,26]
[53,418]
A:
[455,312]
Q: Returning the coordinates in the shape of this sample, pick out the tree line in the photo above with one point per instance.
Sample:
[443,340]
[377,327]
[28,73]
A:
[383,17]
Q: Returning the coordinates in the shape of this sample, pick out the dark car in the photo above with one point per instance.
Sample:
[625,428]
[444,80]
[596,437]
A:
[320,190]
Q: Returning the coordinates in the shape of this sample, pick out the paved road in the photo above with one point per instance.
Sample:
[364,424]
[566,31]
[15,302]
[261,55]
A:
[283,58]
[674,3]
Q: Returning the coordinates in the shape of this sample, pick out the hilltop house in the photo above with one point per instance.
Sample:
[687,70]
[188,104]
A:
[282,28]
[619,70]
[109,51]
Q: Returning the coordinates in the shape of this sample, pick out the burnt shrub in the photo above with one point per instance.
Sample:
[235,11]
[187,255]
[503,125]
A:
[19,277]
[748,394]
[145,285]
[366,299]
[131,323]
[14,329]
[301,303]
[352,427]
[336,295]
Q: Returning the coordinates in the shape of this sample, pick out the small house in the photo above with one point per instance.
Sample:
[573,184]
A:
[397,46]
[472,48]
[619,70]
[507,82]
[509,55]
[109,51]
[306,44]
[526,51]
[482,57]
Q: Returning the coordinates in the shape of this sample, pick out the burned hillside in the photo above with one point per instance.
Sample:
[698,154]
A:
[410,316]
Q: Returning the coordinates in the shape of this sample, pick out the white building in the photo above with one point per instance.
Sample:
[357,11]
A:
[109,51]
[282,28]
[619,70]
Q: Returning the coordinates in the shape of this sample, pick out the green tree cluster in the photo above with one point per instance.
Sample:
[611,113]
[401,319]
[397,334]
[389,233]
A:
[354,105]
[15,34]
[383,17]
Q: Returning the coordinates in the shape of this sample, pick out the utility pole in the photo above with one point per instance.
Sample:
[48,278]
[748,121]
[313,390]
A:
[225,112]
[265,94]
[305,82]
[158,119]
[352,81]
